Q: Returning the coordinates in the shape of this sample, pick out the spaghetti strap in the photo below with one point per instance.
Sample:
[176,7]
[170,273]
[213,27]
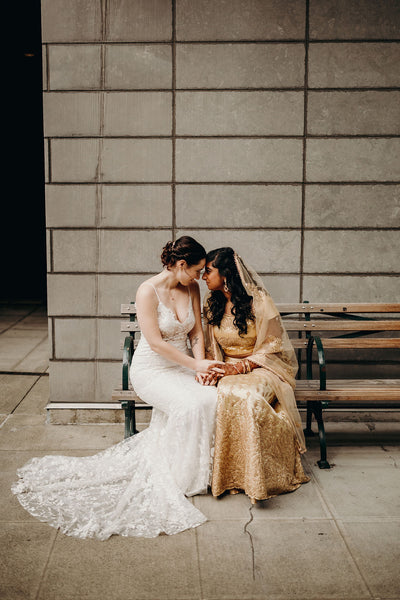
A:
[154,288]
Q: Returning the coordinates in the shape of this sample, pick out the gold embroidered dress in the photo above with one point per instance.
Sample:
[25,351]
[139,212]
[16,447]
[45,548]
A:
[259,436]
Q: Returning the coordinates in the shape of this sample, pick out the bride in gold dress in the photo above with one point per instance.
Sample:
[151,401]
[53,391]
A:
[259,437]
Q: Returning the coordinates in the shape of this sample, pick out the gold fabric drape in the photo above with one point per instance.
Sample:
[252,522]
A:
[259,436]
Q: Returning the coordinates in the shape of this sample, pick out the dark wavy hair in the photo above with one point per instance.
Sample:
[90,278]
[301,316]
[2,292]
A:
[185,248]
[223,259]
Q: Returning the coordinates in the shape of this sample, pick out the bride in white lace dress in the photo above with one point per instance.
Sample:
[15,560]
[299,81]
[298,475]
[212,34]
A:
[140,486]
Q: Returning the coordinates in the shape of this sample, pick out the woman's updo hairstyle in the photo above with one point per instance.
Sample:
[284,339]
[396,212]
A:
[185,248]
[223,259]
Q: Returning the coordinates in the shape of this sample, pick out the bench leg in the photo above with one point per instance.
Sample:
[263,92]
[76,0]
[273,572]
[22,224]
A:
[322,463]
[308,432]
[130,419]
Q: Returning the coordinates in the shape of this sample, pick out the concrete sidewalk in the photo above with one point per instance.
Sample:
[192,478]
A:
[338,536]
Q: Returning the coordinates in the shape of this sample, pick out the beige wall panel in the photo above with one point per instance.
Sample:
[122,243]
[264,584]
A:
[227,65]
[136,160]
[283,288]
[354,19]
[138,67]
[352,206]
[114,290]
[44,68]
[239,113]
[238,160]
[137,113]
[136,206]
[109,339]
[72,381]
[46,160]
[108,377]
[351,251]
[361,159]
[354,113]
[238,206]
[228,84]
[50,338]
[265,251]
[139,20]
[74,250]
[71,114]
[74,160]
[71,295]
[350,288]
[71,205]
[131,251]
[74,67]
[240,19]
[354,65]
[48,250]
[71,21]
[75,338]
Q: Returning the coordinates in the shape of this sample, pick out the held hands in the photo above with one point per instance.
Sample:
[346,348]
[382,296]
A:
[205,375]
[209,372]
[208,378]
[238,368]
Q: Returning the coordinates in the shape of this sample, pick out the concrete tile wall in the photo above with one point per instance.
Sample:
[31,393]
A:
[269,126]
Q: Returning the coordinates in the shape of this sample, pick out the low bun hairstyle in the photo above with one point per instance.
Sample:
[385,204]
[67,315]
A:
[224,260]
[185,248]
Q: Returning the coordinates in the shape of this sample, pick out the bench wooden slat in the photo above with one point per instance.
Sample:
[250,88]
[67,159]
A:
[128,309]
[359,343]
[353,343]
[339,325]
[372,384]
[350,390]
[312,307]
[318,307]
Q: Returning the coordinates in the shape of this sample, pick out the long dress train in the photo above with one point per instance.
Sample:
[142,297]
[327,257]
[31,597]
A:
[138,487]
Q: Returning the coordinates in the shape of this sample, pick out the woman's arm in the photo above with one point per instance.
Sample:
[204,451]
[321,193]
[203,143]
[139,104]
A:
[146,306]
[196,335]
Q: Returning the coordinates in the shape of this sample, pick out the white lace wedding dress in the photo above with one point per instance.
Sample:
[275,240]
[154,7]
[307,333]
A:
[138,487]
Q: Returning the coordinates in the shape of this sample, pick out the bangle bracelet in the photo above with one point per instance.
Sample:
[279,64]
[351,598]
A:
[236,369]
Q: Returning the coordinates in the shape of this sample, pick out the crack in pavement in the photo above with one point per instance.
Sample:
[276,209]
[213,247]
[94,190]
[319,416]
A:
[245,530]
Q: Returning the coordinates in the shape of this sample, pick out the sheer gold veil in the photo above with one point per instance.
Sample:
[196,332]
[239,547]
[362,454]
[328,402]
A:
[273,350]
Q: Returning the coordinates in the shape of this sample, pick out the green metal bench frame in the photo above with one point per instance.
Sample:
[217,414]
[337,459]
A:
[308,340]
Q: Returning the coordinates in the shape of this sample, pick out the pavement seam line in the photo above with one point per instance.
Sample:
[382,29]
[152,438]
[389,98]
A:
[30,351]
[198,562]
[25,395]
[46,566]
[19,320]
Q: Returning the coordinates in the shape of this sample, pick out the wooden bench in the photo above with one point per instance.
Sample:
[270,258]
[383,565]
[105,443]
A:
[314,329]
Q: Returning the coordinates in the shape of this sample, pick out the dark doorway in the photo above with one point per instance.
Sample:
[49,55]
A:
[23,232]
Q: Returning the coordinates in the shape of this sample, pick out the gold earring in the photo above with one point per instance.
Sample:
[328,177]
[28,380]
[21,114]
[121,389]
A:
[226,289]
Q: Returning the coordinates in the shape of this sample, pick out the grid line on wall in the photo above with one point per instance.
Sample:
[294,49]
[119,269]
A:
[304,186]
[173,132]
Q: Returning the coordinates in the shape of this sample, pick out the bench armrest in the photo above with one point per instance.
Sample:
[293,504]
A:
[126,361]
[321,360]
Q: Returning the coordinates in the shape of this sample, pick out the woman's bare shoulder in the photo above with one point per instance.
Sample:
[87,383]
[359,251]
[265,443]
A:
[146,290]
